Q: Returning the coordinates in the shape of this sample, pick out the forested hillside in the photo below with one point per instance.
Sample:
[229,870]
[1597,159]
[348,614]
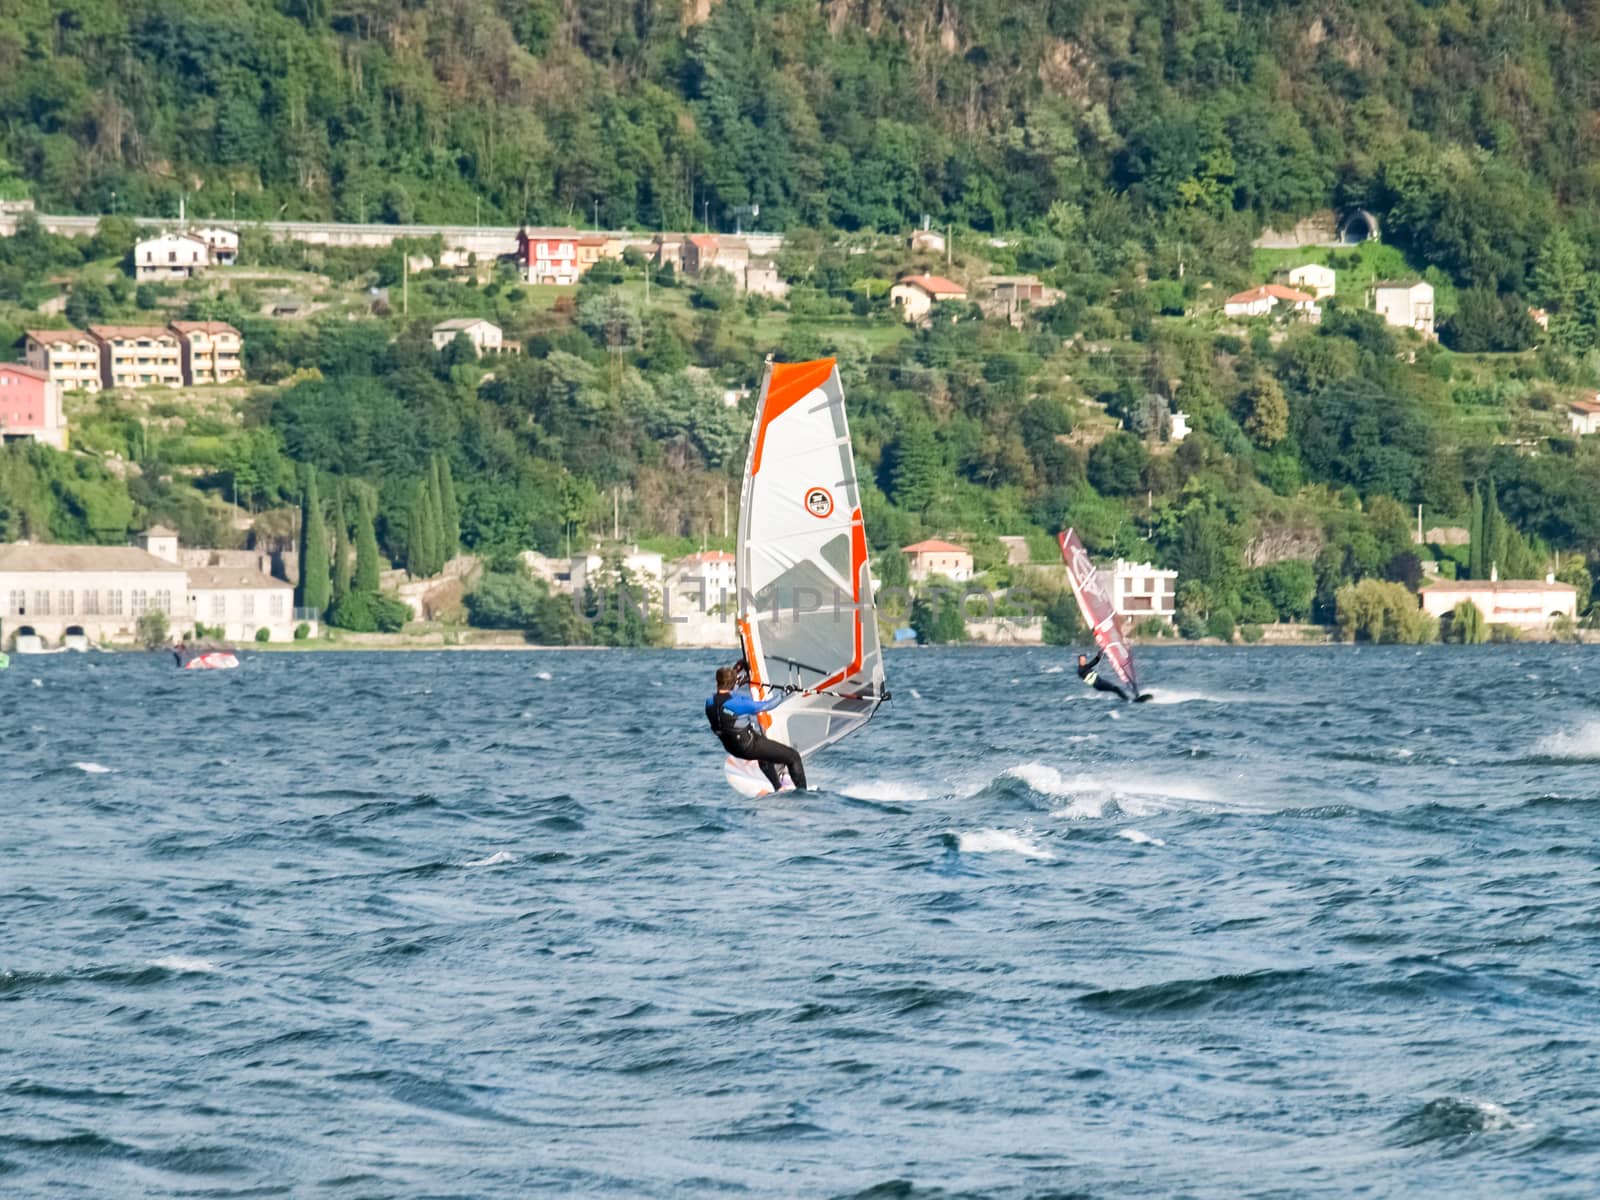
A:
[1468,122]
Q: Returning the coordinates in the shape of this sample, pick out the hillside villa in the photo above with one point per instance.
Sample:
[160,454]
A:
[1584,417]
[1314,278]
[1260,301]
[1525,604]
[1407,304]
[915,295]
[485,336]
[135,356]
[169,256]
[70,357]
[30,406]
[933,557]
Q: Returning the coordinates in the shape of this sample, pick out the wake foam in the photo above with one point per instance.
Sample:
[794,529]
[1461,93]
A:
[1139,838]
[1184,696]
[1581,744]
[1000,841]
[185,964]
[545,675]
[494,860]
[92,768]
[885,791]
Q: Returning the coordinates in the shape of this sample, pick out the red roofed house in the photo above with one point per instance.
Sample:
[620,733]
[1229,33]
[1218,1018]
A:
[70,357]
[134,356]
[548,255]
[30,406]
[704,252]
[1525,603]
[934,557]
[915,295]
[1585,417]
[1258,302]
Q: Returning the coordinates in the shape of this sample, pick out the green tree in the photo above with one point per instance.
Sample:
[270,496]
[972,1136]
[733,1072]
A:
[1467,625]
[936,616]
[1266,412]
[368,568]
[421,533]
[342,564]
[1576,572]
[1291,587]
[449,509]
[151,629]
[1496,533]
[1117,464]
[1375,611]
[917,467]
[315,585]
[1476,568]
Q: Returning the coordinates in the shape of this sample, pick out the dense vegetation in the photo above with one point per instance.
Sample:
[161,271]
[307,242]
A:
[1126,151]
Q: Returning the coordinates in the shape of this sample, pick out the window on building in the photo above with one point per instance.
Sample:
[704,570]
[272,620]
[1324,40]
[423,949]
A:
[64,602]
[91,602]
[219,606]
[164,601]
[41,604]
[276,605]
[19,602]
[114,602]
[247,605]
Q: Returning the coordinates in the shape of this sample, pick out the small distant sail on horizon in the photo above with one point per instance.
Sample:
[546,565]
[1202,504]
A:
[807,618]
[1099,613]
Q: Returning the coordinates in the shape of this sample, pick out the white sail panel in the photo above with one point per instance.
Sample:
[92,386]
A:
[807,618]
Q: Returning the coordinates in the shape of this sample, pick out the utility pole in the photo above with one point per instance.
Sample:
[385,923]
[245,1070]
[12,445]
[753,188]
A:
[597,212]
[616,514]
[724,510]
[705,216]
[405,282]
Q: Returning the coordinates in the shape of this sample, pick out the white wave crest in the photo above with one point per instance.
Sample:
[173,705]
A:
[543,675]
[1052,670]
[494,860]
[188,964]
[1139,838]
[1091,797]
[885,790]
[994,841]
[92,768]
[1582,742]
[1183,696]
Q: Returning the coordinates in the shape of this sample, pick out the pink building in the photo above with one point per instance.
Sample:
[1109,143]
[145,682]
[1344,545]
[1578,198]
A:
[549,255]
[30,406]
[1525,603]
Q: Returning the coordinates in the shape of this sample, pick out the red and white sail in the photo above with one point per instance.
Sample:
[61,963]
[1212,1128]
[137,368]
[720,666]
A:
[1099,613]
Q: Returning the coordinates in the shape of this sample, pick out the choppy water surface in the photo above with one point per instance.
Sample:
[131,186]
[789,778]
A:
[1320,922]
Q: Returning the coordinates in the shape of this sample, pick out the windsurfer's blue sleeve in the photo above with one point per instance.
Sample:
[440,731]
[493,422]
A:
[746,706]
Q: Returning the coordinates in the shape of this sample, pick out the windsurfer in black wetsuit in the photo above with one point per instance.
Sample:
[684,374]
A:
[731,720]
[1087,673]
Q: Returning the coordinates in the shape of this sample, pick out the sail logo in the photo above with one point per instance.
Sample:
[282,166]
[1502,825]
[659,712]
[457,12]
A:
[819,502]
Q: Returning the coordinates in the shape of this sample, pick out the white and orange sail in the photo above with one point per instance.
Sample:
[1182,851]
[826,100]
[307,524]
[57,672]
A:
[807,620]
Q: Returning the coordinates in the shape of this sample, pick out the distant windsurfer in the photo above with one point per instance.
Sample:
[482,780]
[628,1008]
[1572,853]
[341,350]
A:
[731,718]
[1087,673]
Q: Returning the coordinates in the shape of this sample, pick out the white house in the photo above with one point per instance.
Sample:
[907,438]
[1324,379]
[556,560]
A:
[222,243]
[915,295]
[1584,416]
[701,596]
[644,568]
[1180,428]
[1139,590]
[170,256]
[240,601]
[70,357]
[927,240]
[485,336]
[1259,301]
[1525,603]
[1314,278]
[934,557]
[1406,304]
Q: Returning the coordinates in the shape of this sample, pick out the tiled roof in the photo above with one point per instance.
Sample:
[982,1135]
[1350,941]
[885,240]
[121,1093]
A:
[59,335]
[25,369]
[204,327]
[27,556]
[214,579]
[933,546]
[110,332]
[935,285]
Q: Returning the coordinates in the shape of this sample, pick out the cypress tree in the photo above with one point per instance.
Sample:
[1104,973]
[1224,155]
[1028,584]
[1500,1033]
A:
[420,531]
[1495,541]
[341,544]
[438,542]
[367,566]
[1475,536]
[314,583]
[449,509]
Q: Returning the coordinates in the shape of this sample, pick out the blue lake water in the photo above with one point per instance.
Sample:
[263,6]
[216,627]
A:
[1318,922]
